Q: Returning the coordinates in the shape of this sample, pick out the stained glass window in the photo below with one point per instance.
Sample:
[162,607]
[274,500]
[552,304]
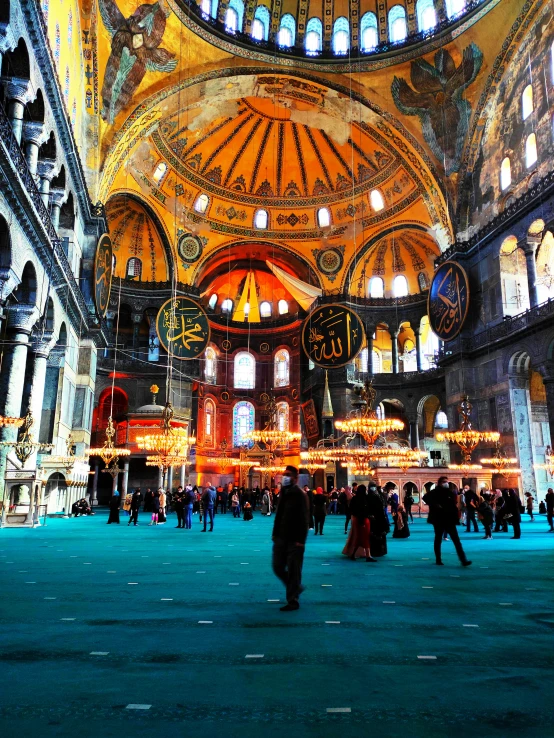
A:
[243,422]
[283,416]
[209,423]
[282,363]
[209,366]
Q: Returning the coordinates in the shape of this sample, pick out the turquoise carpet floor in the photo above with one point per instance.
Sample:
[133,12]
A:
[184,624]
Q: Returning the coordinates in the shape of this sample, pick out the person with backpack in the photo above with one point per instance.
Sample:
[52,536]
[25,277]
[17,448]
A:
[443,516]
[189,499]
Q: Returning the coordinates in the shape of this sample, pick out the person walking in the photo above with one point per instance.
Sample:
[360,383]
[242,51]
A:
[127,503]
[401,529]
[471,503]
[161,512]
[486,516]
[499,509]
[235,504]
[189,499]
[549,501]
[359,533]
[155,509]
[178,504]
[320,503]
[513,513]
[266,502]
[350,492]
[208,499]
[443,515]
[148,497]
[290,531]
[309,493]
[114,509]
[529,504]
[136,499]
[333,502]
[408,502]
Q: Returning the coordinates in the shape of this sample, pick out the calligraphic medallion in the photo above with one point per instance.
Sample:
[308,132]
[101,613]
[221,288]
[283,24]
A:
[103,272]
[183,328]
[333,335]
[448,300]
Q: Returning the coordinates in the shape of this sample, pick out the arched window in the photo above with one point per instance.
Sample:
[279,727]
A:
[505,174]
[260,27]
[341,36]
[361,361]
[134,268]
[368,31]
[201,204]
[287,31]
[215,7]
[314,34]
[231,20]
[376,200]
[227,306]
[238,7]
[260,219]
[380,411]
[282,416]
[323,217]
[206,7]
[422,281]
[400,286]
[209,423]
[376,362]
[397,24]
[530,150]
[453,7]
[441,420]
[245,370]
[527,102]
[212,302]
[376,287]
[159,172]
[282,368]
[243,422]
[426,16]
[283,307]
[265,309]
[209,364]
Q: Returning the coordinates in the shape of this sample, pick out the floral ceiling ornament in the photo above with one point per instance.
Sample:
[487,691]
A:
[436,98]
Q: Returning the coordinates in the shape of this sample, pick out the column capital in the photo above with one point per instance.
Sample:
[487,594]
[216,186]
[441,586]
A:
[21,318]
[136,317]
[42,345]
[33,132]
[530,243]
[19,90]
[58,196]
[46,169]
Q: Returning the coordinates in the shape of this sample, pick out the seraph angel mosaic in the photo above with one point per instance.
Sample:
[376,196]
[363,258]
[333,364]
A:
[135,50]
[436,98]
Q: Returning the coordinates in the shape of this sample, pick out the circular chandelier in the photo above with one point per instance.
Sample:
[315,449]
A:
[359,468]
[465,467]
[272,436]
[108,452]
[169,446]
[223,460]
[270,468]
[467,438]
[548,465]
[314,466]
[502,463]
[365,422]
[24,447]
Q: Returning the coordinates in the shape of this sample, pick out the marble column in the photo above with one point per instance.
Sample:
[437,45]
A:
[394,351]
[183,475]
[530,247]
[115,483]
[46,169]
[41,352]
[169,479]
[33,137]
[124,482]
[160,478]
[57,197]
[136,318]
[94,491]
[20,320]
[369,339]
[414,434]
[418,349]
[18,94]
[523,436]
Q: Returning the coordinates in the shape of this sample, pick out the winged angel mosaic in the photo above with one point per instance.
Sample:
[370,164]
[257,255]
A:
[436,98]
[135,50]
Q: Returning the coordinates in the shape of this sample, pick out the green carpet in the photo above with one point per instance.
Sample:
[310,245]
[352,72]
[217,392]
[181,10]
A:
[66,592]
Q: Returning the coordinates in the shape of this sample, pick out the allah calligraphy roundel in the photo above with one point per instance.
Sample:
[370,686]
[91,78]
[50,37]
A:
[448,300]
[333,335]
[183,328]
[103,272]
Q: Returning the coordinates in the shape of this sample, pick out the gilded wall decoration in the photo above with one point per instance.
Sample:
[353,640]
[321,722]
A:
[329,261]
[189,247]
[231,213]
[135,50]
[292,219]
[436,98]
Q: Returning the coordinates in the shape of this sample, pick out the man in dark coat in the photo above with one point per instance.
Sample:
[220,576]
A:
[472,503]
[148,499]
[549,500]
[289,537]
[178,507]
[136,499]
[443,514]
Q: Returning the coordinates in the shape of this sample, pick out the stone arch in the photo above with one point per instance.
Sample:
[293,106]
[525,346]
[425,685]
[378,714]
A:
[519,363]
[15,63]
[48,149]
[26,291]
[34,111]
[5,244]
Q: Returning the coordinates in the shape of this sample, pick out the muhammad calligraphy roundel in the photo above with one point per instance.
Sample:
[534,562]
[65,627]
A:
[183,328]
[448,300]
[103,272]
[333,335]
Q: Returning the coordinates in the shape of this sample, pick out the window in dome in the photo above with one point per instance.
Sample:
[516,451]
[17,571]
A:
[422,281]
[397,24]
[283,307]
[265,309]
[227,306]
[426,16]
[206,7]
[314,34]
[454,7]
[341,36]
[376,287]
[237,6]
[376,361]
[244,416]
[201,204]
[245,370]
[159,172]
[361,361]
[441,421]
[287,31]
[209,423]
[376,200]
[527,102]
[323,218]
[231,20]
[368,31]
[134,268]
[281,366]
[530,150]
[505,174]
[209,364]
[212,302]
[400,286]
[380,411]
[260,219]
[260,27]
